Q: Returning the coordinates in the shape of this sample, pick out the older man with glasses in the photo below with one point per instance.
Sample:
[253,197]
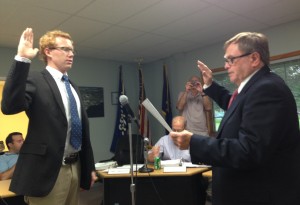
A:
[255,155]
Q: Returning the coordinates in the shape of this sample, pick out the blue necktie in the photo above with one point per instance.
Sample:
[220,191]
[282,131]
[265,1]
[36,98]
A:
[76,128]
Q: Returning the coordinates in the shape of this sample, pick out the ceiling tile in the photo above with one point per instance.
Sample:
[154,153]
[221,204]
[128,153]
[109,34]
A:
[161,14]
[122,30]
[200,20]
[88,28]
[114,11]
[111,37]
[140,43]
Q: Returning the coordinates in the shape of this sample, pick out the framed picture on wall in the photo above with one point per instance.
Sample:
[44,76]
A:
[93,101]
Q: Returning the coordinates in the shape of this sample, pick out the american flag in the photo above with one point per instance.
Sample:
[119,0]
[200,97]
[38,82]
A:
[144,122]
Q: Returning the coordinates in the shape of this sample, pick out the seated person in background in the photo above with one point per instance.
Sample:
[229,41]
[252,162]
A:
[8,160]
[166,146]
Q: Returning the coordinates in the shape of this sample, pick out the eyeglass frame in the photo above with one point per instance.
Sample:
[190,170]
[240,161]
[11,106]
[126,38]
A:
[230,60]
[65,49]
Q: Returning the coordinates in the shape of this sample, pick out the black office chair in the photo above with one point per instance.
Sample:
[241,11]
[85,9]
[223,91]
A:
[122,154]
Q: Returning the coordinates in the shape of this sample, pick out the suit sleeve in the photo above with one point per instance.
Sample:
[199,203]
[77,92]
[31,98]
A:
[14,97]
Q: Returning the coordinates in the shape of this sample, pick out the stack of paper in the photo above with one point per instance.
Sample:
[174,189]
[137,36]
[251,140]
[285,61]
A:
[125,169]
[118,171]
[135,166]
[174,169]
[105,165]
[170,163]
[189,164]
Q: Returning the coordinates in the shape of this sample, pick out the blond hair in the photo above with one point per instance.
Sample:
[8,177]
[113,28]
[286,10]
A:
[48,40]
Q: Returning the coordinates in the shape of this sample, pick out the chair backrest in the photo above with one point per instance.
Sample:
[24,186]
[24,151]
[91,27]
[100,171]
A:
[122,154]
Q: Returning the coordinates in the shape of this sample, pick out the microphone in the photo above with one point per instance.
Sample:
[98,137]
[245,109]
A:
[146,141]
[145,168]
[125,103]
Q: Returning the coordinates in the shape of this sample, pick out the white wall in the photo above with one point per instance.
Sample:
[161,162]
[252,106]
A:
[101,73]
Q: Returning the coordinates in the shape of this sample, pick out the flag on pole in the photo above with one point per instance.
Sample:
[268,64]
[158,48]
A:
[166,100]
[121,125]
[144,122]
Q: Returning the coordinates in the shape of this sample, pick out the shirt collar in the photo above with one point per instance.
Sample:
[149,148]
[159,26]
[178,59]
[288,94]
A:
[55,73]
[244,82]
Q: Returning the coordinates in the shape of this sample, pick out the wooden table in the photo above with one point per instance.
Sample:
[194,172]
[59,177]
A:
[4,186]
[207,174]
[156,187]
[9,197]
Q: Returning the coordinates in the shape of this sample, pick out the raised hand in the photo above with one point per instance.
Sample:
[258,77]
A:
[206,73]
[25,48]
[188,86]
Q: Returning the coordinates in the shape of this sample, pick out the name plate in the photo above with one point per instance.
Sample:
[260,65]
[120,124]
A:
[118,171]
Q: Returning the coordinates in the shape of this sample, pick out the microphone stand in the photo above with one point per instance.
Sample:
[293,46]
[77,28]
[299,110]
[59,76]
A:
[132,185]
[145,168]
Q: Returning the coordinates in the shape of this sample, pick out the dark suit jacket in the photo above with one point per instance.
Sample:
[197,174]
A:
[256,154]
[42,152]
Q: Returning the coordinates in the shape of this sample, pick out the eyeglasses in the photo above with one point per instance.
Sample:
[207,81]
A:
[230,60]
[65,49]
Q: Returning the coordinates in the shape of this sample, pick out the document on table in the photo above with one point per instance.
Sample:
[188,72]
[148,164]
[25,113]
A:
[105,165]
[175,169]
[118,171]
[190,165]
[170,163]
[125,169]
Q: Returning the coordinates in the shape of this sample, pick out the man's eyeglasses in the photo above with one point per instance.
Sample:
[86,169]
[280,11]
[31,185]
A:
[230,60]
[65,49]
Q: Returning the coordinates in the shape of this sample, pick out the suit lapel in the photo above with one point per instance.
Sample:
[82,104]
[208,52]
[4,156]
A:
[240,96]
[55,91]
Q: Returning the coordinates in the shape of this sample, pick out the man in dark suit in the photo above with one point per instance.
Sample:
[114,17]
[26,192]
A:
[50,169]
[256,153]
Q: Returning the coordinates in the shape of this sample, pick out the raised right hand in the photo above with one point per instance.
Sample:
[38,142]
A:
[25,48]
[206,73]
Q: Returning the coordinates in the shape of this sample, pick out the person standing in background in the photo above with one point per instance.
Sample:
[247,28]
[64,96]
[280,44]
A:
[56,158]
[255,155]
[8,160]
[192,104]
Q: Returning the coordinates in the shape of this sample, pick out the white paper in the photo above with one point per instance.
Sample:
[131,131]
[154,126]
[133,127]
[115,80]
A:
[148,105]
[118,171]
[128,166]
[170,163]
[189,164]
[174,169]
[105,165]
